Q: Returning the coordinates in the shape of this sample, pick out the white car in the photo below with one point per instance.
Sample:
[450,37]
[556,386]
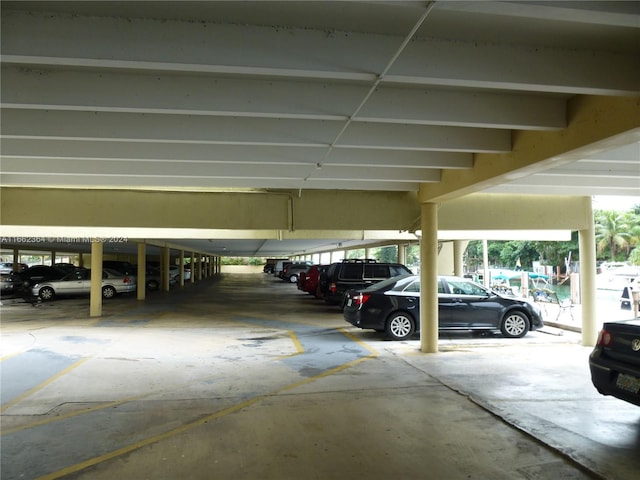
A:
[78,282]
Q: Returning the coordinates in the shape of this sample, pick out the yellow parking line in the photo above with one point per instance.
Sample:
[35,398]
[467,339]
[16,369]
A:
[143,443]
[296,343]
[11,355]
[42,385]
[184,428]
[6,431]
[358,341]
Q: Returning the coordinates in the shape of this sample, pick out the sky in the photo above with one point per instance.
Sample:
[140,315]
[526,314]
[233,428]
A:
[622,204]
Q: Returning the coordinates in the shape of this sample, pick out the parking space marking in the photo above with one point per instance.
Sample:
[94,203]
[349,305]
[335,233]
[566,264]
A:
[191,425]
[358,341]
[59,418]
[17,399]
[296,343]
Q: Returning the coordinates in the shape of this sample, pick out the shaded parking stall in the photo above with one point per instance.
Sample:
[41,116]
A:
[246,376]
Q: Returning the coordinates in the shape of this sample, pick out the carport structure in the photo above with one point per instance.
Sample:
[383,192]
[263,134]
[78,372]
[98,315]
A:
[273,128]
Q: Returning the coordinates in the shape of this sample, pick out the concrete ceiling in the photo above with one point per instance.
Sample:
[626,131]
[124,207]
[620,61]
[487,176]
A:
[355,95]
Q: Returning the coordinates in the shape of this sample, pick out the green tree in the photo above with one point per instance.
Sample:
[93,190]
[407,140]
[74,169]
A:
[611,232]
[386,254]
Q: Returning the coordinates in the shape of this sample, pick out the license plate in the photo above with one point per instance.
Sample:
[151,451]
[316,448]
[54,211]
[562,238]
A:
[628,383]
[348,302]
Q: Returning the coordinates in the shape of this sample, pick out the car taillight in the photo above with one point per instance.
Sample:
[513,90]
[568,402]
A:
[360,299]
[126,280]
[604,338]
[332,287]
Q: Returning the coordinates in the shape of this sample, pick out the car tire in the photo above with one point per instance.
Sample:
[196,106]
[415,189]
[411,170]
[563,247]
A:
[400,326]
[293,278]
[514,325]
[108,291]
[46,294]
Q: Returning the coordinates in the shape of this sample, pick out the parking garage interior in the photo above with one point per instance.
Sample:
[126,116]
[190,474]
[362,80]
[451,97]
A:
[190,131]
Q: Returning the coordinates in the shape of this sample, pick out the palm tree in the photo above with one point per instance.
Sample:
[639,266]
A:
[612,232]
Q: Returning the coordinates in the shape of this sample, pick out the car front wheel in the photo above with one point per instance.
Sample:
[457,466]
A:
[514,325]
[400,326]
[293,279]
[46,293]
[108,292]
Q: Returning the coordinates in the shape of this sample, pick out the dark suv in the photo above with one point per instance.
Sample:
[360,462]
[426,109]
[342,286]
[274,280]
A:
[341,277]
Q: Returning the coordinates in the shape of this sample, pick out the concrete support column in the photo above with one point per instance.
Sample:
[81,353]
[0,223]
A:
[402,253]
[458,261]
[199,260]
[193,267]
[485,263]
[181,264]
[587,244]
[164,260]
[142,271]
[16,260]
[53,258]
[429,278]
[95,298]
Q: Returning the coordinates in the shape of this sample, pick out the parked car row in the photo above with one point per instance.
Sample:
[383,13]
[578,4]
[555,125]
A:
[287,270]
[78,282]
[47,282]
[385,297]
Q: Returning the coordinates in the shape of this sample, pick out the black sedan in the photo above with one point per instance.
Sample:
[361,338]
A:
[615,360]
[393,306]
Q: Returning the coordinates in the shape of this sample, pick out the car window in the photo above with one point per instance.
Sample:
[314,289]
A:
[413,287]
[462,287]
[399,270]
[373,270]
[351,271]
[401,283]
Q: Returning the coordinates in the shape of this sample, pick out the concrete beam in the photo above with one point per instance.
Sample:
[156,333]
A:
[595,124]
[83,41]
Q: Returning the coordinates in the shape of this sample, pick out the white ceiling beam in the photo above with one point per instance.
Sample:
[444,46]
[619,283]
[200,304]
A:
[619,14]
[200,95]
[178,94]
[234,154]
[123,181]
[171,170]
[71,125]
[567,189]
[466,108]
[216,48]
[573,180]
[419,137]
[516,67]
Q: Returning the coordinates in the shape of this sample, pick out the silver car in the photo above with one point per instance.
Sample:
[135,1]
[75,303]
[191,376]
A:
[78,282]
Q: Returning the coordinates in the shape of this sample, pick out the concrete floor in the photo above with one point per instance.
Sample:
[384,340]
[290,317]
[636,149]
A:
[245,377]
